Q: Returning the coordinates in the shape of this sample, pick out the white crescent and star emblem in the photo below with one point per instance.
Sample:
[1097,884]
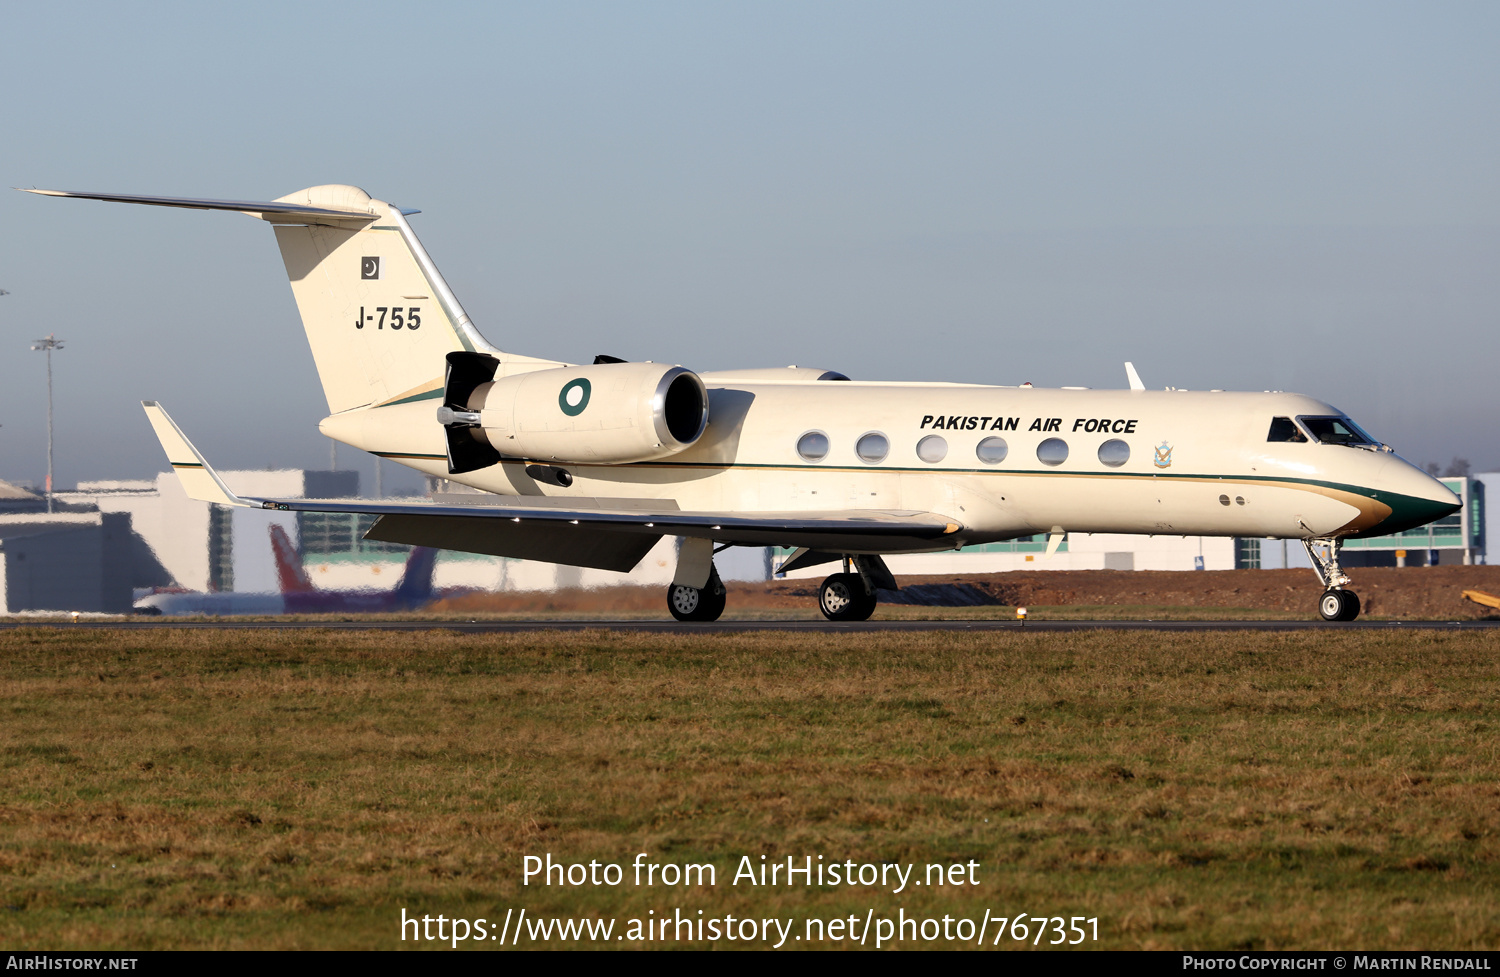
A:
[369,268]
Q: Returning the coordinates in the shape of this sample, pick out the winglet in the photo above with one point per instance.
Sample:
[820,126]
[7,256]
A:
[199,480]
[1133,377]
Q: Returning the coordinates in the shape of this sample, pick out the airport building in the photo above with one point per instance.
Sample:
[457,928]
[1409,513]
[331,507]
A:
[75,558]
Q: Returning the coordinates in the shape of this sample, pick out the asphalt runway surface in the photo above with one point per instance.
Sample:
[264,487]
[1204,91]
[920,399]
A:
[737,627]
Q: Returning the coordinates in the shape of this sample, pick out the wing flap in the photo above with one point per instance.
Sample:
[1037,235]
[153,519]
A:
[579,546]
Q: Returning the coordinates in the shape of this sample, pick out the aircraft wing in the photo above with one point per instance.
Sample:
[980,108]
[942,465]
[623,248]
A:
[611,534]
[617,539]
[661,519]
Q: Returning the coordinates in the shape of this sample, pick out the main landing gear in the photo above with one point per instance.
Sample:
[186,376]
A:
[847,596]
[693,604]
[1336,604]
[850,596]
[844,597]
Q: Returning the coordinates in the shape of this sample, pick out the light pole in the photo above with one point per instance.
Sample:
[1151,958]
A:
[47,346]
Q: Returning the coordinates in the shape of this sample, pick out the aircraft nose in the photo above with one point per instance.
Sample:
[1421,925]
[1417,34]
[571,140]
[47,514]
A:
[1415,498]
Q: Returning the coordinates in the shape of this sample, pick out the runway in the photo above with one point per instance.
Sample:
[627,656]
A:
[741,627]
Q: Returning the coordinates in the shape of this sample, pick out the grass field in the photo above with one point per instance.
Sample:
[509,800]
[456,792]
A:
[276,790]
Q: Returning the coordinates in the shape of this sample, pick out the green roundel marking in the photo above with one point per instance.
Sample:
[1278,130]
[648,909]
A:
[574,397]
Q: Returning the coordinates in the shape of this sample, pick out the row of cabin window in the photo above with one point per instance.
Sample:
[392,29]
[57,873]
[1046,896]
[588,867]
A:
[873,448]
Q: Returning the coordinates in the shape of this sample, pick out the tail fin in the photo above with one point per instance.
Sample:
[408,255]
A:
[379,317]
[415,588]
[290,572]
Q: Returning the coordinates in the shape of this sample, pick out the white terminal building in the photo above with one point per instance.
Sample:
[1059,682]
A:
[111,537]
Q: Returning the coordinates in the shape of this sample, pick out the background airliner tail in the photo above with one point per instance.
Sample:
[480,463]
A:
[290,573]
[415,588]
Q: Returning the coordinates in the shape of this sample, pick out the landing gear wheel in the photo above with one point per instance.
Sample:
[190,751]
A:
[1338,605]
[693,604]
[843,597]
[1351,605]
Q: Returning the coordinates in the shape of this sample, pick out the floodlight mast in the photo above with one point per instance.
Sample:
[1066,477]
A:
[47,345]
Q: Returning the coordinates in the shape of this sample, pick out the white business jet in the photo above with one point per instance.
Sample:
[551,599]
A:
[590,465]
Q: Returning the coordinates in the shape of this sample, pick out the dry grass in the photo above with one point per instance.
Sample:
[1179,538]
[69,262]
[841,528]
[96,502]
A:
[274,789]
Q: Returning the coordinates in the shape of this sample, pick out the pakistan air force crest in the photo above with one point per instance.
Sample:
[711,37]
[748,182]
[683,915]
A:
[1164,456]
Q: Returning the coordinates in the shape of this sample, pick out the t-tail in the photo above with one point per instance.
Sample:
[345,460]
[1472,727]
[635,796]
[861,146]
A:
[379,317]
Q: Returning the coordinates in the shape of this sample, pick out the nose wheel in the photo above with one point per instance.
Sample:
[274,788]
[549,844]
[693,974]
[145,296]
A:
[1338,605]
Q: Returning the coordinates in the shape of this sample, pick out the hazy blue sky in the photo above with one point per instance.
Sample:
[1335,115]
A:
[1300,196]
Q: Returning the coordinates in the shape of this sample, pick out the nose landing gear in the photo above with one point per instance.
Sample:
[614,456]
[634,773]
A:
[1336,604]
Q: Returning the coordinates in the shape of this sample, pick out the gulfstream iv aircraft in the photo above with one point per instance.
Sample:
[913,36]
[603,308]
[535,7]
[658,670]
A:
[591,464]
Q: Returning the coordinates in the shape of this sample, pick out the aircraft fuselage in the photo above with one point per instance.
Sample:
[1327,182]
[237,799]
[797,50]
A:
[1179,462]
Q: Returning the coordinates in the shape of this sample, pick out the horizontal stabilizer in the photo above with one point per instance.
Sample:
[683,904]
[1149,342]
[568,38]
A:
[275,211]
[199,480]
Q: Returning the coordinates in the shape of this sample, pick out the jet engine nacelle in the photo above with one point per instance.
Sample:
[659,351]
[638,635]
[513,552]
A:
[608,413]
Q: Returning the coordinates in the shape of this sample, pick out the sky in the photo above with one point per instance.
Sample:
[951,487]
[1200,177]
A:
[1296,196]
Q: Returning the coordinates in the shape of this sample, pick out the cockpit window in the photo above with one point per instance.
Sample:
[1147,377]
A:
[1360,431]
[1335,430]
[1282,429]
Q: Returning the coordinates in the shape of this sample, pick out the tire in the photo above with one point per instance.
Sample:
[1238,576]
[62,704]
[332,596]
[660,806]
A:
[843,597]
[693,604]
[1338,605]
[1351,606]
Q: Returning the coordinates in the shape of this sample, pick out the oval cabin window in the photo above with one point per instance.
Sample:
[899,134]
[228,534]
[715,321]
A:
[1114,453]
[932,449]
[813,446]
[992,451]
[1053,451]
[872,448]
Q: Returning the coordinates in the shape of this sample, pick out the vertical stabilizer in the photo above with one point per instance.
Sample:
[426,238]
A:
[379,318]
